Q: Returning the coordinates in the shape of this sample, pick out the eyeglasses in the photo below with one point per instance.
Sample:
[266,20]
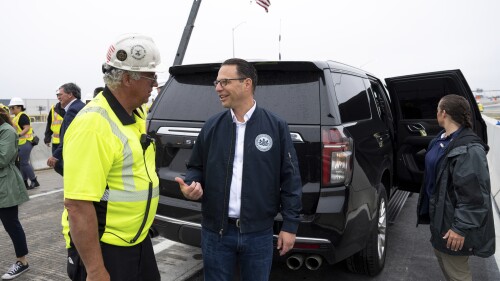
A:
[154,78]
[58,95]
[224,82]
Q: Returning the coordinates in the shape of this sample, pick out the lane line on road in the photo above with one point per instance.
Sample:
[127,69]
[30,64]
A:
[158,248]
[46,193]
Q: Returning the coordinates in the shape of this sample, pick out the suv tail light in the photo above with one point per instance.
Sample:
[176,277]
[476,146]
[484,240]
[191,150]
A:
[336,158]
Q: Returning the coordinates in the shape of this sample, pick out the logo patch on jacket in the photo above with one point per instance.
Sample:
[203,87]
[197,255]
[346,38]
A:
[263,142]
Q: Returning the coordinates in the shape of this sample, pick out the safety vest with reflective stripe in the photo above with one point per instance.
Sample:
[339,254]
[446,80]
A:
[55,126]
[29,134]
[104,162]
[4,107]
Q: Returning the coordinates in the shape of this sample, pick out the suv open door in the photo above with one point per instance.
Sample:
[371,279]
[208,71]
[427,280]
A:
[414,103]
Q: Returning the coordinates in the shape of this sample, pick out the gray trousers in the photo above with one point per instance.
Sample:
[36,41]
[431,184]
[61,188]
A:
[24,161]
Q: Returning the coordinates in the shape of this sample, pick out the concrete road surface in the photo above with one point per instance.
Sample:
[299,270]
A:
[41,220]
[409,255]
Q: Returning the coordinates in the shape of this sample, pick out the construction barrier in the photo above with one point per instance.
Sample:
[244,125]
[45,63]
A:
[494,156]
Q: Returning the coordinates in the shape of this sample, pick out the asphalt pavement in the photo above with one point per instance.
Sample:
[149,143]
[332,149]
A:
[41,220]
[410,257]
[409,254]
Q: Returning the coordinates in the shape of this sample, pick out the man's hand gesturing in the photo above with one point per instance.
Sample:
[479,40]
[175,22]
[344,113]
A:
[192,192]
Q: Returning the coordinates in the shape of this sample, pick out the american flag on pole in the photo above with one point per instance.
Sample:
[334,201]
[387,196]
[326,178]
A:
[264,4]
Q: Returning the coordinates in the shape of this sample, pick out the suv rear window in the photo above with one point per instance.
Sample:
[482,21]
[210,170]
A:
[352,97]
[292,95]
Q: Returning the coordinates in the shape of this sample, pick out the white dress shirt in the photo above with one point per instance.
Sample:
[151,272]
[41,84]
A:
[67,106]
[235,192]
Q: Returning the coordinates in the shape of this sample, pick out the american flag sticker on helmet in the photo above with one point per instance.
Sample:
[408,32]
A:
[110,53]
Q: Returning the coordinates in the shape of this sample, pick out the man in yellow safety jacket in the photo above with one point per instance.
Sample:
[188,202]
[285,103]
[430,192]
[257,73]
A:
[54,121]
[110,184]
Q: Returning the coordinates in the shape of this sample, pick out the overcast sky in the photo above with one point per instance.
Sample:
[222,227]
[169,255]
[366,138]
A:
[47,43]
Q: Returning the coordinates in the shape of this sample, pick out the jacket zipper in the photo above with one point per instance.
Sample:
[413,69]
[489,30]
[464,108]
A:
[233,128]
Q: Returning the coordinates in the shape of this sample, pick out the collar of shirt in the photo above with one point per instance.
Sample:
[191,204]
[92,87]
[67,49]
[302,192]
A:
[67,106]
[451,136]
[247,115]
[118,109]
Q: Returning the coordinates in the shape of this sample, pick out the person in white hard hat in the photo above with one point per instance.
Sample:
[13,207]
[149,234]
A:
[110,183]
[23,126]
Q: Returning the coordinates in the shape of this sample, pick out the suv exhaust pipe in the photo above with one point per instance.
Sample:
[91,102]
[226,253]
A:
[313,262]
[294,262]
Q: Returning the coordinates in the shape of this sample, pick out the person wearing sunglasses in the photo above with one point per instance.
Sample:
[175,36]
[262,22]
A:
[110,183]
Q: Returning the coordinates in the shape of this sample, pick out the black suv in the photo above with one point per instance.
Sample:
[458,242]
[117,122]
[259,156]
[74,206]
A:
[356,144]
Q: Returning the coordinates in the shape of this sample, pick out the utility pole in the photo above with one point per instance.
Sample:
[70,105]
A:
[186,35]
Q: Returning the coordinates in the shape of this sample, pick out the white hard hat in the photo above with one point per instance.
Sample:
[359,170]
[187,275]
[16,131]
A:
[16,101]
[134,52]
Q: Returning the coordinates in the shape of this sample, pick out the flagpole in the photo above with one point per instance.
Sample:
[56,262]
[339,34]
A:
[279,42]
[234,28]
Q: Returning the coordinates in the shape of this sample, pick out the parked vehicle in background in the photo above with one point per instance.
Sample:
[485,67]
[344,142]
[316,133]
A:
[356,144]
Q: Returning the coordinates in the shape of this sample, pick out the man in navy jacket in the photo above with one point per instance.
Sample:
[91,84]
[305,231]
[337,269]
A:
[69,95]
[245,170]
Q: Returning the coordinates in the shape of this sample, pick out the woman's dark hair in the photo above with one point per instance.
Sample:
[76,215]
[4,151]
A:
[20,106]
[244,69]
[5,117]
[457,107]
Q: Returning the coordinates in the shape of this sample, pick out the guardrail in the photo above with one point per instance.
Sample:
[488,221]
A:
[494,156]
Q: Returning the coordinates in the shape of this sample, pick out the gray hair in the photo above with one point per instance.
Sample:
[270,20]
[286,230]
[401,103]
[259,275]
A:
[113,76]
[72,88]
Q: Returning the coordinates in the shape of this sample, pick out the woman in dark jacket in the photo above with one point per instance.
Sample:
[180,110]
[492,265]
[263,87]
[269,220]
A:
[12,194]
[456,195]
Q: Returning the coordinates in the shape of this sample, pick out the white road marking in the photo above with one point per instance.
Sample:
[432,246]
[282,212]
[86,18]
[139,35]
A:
[158,248]
[163,246]
[46,193]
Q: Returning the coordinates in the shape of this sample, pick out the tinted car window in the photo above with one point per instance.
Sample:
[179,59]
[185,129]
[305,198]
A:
[419,99]
[352,97]
[291,95]
[189,98]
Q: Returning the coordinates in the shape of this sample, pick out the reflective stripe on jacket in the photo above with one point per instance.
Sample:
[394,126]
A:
[29,134]
[104,162]
[55,126]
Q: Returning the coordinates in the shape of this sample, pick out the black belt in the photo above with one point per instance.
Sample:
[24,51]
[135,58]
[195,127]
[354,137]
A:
[234,221]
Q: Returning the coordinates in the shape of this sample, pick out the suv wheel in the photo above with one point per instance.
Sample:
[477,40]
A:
[371,259]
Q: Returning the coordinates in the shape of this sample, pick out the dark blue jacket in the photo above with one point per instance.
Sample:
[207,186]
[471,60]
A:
[73,110]
[462,197]
[271,178]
